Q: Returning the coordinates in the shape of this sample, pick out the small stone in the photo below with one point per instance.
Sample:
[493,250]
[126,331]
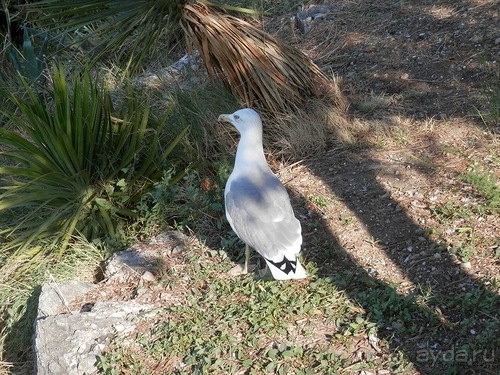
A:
[119,327]
[237,270]
[466,265]
[177,250]
[437,256]
[148,276]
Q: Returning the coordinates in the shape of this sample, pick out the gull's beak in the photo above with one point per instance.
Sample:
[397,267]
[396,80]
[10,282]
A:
[225,118]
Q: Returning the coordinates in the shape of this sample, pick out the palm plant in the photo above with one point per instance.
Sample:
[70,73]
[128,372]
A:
[257,67]
[71,167]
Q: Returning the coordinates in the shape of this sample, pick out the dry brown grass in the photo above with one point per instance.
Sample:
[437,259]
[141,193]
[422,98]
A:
[295,135]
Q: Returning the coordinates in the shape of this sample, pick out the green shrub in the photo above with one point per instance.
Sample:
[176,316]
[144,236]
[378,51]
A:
[74,166]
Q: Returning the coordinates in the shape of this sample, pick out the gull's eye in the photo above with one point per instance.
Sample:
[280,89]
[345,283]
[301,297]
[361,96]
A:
[236,117]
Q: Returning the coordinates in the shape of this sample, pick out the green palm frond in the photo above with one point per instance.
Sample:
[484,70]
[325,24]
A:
[132,27]
[71,167]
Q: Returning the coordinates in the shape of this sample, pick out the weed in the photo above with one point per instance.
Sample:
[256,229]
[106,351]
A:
[346,219]
[319,201]
[375,101]
[464,250]
[485,185]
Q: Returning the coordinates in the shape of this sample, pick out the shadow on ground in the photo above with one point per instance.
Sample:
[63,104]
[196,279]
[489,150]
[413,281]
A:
[439,59]
[443,322]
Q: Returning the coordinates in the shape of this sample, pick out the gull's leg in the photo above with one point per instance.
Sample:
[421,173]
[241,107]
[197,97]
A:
[240,269]
[247,258]
[265,271]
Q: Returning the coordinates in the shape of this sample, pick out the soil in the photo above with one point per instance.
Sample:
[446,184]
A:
[376,211]
[422,67]
[419,70]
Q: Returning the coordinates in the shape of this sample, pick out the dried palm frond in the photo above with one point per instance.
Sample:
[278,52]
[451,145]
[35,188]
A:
[256,66]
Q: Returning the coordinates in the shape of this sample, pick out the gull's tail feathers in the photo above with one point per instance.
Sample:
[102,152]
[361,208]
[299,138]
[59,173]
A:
[286,269]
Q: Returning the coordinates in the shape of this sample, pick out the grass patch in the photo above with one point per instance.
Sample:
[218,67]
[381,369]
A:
[231,325]
[464,217]
[485,184]
[226,325]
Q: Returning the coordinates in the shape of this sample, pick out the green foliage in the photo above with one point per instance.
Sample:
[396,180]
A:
[29,61]
[105,26]
[486,186]
[228,325]
[71,167]
[199,205]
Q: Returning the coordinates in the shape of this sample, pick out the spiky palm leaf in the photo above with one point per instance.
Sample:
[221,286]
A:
[256,66]
[106,26]
[71,167]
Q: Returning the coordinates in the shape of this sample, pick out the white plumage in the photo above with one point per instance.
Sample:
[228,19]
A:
[257,204]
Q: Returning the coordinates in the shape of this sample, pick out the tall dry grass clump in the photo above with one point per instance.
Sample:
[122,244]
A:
[304,111]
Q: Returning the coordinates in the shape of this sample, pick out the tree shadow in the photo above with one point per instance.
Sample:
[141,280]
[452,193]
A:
[437,57]
[444,319]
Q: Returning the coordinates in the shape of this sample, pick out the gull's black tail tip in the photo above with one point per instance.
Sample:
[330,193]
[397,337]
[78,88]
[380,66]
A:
[287,269]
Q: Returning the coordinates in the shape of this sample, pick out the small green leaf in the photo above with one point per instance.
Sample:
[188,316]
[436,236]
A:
[104,203]
[272,353]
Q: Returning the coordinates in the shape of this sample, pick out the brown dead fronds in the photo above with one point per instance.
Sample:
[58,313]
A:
[260,69]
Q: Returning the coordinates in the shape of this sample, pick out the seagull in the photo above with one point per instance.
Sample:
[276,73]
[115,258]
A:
[257,204]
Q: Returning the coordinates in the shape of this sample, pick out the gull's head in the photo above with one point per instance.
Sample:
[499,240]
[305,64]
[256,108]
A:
[244,120]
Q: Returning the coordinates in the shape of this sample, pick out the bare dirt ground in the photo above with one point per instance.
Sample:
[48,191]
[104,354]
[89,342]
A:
[420,68]
[419,71]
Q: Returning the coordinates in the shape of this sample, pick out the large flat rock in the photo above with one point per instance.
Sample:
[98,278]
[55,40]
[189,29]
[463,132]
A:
[70,344]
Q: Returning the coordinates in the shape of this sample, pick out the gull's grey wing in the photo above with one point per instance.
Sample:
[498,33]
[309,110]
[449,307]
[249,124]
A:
[259,211]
